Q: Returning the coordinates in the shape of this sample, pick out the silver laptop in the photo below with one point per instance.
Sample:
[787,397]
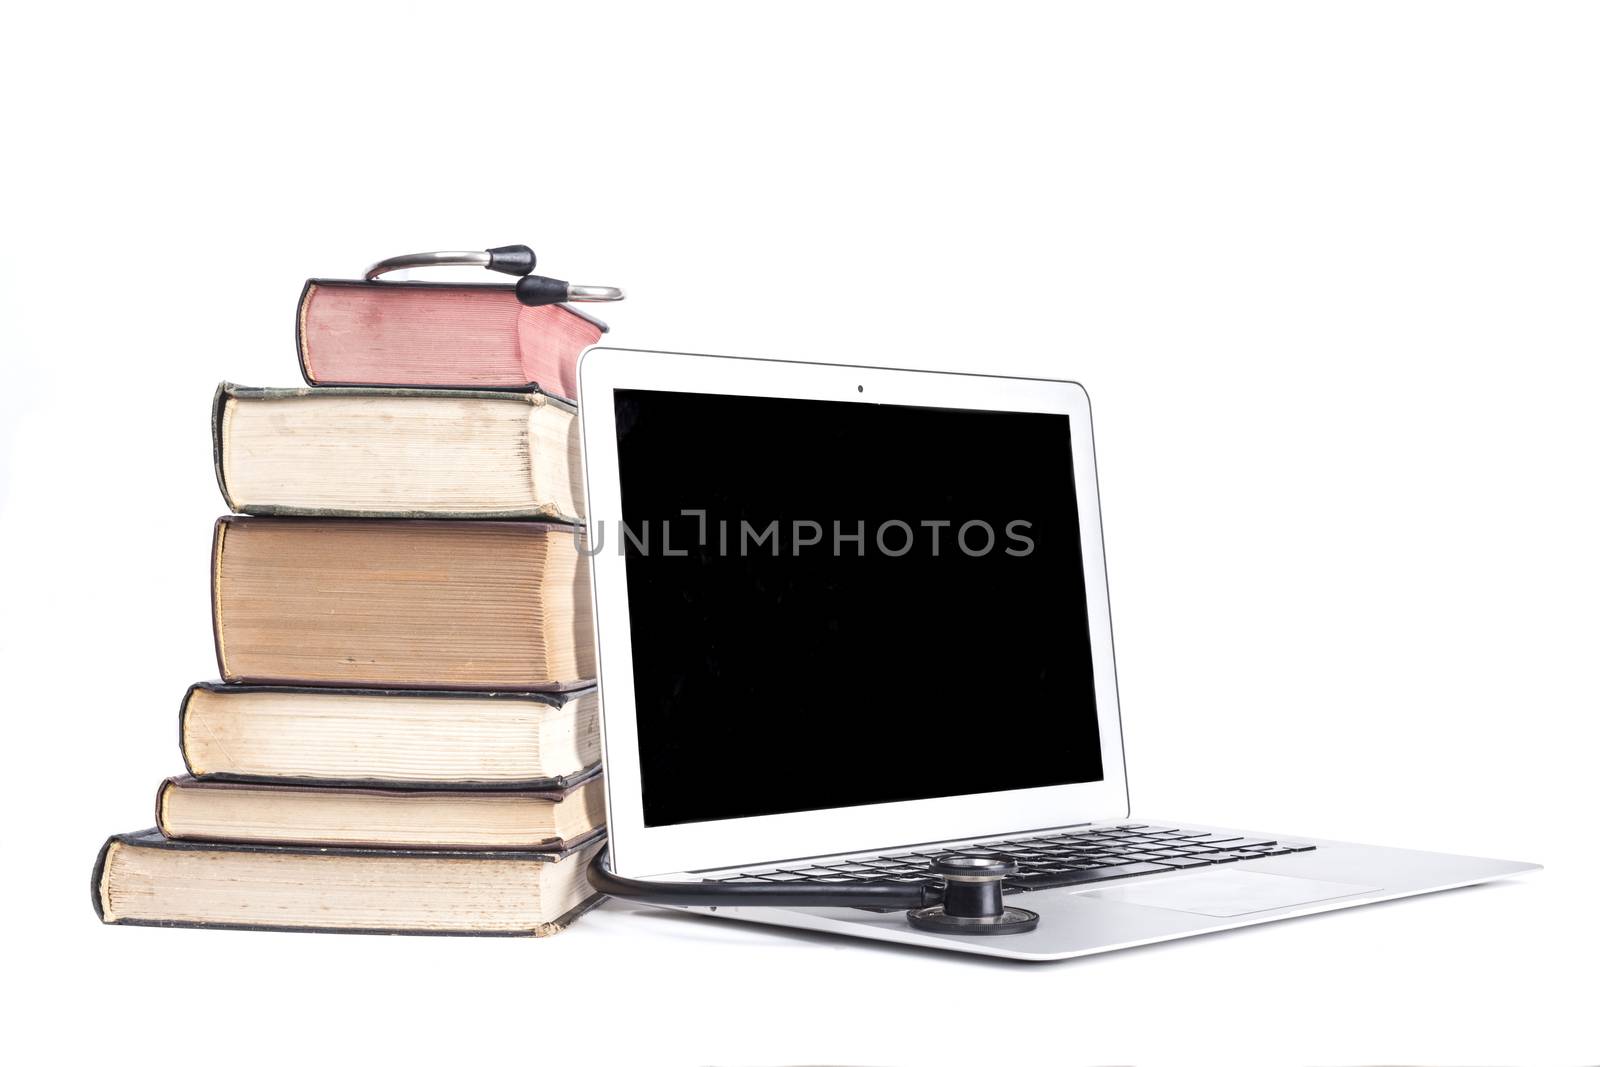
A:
[852,621]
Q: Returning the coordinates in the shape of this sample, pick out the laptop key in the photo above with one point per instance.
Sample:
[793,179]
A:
[1046,861]
[1096,874]
[832,877]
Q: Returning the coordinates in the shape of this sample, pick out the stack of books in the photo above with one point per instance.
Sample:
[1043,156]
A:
[405,737]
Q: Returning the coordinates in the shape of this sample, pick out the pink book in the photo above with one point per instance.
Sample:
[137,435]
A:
[438,335]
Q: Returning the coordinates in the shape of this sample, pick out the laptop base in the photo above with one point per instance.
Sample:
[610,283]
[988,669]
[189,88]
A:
[1083,921]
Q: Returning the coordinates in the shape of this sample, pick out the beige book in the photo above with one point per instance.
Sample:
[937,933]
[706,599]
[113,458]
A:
[402,604]
[397,453]
[549,819]
[145,879]
[376,737]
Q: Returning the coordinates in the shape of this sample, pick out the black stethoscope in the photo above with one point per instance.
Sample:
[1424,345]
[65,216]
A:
[969,901]
[532,289]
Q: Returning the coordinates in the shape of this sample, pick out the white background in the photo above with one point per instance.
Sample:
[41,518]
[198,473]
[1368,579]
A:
[1329,273]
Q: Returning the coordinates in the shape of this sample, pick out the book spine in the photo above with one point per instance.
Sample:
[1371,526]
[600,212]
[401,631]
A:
[161,805]
[300,311]
[219,405]
[218,533]
[97,878]
[183,719]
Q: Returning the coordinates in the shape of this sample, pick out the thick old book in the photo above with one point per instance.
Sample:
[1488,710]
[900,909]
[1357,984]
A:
[397,453]
[544,820]
[433,334]
[443,739]
[402,604]
[145,879]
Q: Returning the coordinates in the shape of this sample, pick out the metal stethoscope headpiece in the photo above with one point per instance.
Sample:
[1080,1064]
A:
[532,289]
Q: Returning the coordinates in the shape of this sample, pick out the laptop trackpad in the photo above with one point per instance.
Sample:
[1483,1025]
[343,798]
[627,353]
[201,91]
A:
[1225,893]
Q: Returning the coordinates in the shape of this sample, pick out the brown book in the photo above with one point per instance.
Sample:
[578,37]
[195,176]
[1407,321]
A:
[545,820]
[429,333]
[440,739]
[145,879]
[397,453]
[401,604]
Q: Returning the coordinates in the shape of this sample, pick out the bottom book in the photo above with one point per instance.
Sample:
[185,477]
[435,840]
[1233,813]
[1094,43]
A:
[145,879]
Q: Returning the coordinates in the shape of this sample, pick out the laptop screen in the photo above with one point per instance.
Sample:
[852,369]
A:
[835,604]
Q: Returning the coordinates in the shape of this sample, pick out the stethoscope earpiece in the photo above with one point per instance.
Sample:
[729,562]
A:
[532,289]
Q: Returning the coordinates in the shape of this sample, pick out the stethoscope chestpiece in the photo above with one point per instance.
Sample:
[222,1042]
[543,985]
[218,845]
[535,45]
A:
[973,901]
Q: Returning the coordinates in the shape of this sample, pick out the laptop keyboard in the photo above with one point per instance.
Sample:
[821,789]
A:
[1047,861]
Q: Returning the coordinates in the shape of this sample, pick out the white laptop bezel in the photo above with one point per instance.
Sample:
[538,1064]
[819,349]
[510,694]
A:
[640,851]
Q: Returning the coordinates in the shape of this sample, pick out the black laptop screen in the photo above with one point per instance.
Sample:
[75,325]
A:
[836,603]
